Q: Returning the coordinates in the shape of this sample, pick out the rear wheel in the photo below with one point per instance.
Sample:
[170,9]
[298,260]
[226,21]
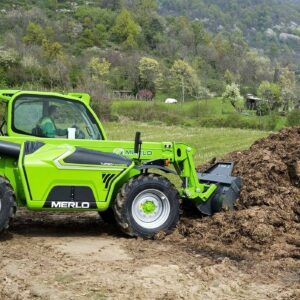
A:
[7,204]
[146,205]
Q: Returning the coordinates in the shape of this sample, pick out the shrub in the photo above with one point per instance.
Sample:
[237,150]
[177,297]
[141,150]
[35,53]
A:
[145,94]
[102,108]
[293,118]
[271,122]
[216,86]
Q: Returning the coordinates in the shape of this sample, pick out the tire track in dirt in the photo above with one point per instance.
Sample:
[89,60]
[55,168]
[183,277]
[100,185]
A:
[76,256]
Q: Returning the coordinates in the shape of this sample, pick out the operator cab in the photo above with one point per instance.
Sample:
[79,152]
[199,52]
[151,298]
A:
[3,116]
[53,117]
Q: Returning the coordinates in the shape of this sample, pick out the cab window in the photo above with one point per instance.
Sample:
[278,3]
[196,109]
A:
[52,117]
[3,118]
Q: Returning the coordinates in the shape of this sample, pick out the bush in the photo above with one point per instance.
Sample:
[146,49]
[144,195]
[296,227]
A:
[239,121]
[102,108]
[271,122]
[145,94]
[3,80]
[232,121]
[293,118]
[216,86]
[262,109]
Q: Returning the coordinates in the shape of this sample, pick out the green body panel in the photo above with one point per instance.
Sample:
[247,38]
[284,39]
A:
[34,175]
[9,169]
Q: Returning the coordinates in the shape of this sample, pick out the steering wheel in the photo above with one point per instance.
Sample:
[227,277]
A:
[79,134]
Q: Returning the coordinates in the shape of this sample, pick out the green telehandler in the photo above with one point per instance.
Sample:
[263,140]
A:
[63,161]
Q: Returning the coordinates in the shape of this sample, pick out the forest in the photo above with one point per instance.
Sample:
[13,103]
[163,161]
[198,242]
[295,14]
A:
[183,49]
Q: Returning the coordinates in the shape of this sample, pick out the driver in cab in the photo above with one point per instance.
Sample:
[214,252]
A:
[48,126]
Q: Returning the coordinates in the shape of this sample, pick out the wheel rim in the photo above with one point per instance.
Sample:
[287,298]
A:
[150,208]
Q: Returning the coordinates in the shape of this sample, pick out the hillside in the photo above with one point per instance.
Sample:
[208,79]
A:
[271,25]
[148,47]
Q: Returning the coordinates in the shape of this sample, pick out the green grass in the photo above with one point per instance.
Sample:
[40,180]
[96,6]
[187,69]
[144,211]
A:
[205,113]
[189,109]
[209,142]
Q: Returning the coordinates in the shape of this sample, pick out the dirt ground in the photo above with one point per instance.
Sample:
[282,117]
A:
[77,256]
[252,252]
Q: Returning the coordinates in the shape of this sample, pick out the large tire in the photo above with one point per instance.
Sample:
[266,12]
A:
[7,204]
[108,216]
[146,205]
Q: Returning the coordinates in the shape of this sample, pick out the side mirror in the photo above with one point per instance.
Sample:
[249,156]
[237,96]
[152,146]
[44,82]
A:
[137,142]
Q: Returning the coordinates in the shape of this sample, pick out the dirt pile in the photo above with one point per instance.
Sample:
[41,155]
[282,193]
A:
[267,217]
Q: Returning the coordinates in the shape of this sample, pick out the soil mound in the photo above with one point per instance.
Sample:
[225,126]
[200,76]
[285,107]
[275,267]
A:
[266,221]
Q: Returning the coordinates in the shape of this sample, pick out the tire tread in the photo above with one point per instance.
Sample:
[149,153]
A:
[9,196]
[119,205]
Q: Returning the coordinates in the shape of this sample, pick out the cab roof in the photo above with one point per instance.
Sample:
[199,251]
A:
[7,95]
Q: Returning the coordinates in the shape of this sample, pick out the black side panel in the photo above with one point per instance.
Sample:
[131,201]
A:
[92,157]
[71,193]
[31,147]
[70,197]
[10,149]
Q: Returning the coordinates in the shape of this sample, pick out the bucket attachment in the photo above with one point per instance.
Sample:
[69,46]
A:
[228,188]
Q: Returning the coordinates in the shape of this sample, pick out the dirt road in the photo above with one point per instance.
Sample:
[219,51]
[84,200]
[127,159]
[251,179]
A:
[250,253]
[77,256]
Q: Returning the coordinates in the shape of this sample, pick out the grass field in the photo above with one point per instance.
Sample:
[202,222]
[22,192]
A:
[213,106]
[209,142]
[205,113]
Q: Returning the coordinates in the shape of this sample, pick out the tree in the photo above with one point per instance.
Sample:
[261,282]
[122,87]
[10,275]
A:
[34,34]
[198,91]
[8,59]
[149,74]
[126,30]
[86,38]
[51,50]
[255,68]
[200,36]
[56,73]
[287,85]
[232,94]
[96,25]
[270,93]
[229,77]
[51,4]
[111,4]
[31,67]
[183,76]
[98,68]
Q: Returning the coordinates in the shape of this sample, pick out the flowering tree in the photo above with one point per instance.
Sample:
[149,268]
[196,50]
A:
[232,94]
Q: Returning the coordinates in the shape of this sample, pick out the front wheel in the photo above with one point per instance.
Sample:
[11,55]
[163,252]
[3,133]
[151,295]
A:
[7,204]
[146,205]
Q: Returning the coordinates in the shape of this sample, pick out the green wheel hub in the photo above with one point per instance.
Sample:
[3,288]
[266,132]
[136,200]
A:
[148,207]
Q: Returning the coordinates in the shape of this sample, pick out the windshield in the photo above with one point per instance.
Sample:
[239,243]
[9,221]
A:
[46,116]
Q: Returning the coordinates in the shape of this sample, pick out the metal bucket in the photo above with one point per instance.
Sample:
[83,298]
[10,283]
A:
[228,190]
